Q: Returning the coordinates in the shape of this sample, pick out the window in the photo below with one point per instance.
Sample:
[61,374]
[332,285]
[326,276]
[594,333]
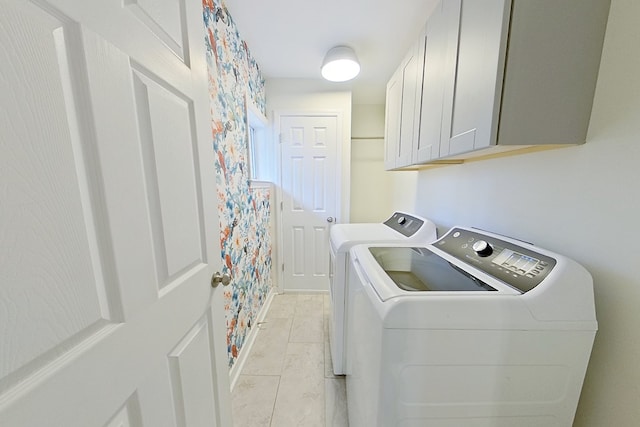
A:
[253,170]
[260,158]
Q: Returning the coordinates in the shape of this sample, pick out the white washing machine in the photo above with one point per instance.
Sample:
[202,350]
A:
[400,227]
[474,330]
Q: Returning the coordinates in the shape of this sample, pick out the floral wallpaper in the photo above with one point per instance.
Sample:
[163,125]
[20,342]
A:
[244,212]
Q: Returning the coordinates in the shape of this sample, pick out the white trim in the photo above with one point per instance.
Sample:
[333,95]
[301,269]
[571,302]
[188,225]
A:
[275,137]
[254,115]
[236,369]
[259,123]
[307,291]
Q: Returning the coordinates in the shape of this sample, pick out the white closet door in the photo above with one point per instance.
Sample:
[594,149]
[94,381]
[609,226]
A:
[309,183]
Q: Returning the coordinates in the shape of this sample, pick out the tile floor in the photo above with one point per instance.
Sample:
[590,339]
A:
[287,379]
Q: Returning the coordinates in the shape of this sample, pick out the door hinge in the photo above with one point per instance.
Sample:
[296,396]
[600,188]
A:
[281,206]
[280,138]
[283,267]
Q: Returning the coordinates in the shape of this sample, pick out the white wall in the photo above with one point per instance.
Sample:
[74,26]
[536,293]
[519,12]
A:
[583,202]
[371,186]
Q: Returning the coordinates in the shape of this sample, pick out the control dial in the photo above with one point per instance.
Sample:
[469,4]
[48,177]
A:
[402,220]
[482,248]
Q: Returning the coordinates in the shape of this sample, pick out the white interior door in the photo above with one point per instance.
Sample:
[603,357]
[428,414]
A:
[310,197]
[108,219]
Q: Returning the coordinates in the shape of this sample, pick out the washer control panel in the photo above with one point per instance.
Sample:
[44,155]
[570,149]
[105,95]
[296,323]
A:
[519,267]
[404,223]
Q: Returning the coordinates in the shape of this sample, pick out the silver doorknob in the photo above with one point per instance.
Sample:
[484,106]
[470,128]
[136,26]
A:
[218,278]
[330,219]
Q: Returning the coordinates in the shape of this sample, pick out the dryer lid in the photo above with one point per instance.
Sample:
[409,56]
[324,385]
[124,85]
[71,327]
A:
[400,227]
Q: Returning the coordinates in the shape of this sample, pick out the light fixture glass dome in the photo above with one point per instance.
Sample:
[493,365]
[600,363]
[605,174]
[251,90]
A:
[340,64]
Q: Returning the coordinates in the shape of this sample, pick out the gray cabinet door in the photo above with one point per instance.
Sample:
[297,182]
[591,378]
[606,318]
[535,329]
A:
[474,82]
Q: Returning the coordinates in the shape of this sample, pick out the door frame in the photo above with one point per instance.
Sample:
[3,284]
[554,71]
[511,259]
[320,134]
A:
[343,167]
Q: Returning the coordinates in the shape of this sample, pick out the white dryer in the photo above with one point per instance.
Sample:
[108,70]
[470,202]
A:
[401,227]
[475,329]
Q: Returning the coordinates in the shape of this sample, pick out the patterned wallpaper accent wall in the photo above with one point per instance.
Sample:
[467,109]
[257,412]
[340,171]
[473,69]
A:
[244,213]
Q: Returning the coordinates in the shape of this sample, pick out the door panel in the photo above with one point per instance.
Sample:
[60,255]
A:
[165,121]
[411,78]
[474,74]
[165,20]
[124,417]
[49,258]
[309,183]
[434,47]
[393,114]
[108,221]
[189,362]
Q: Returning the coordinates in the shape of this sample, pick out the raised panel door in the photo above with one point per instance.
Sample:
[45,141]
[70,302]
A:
[309,197]
[474,74]
[393,108]
[108,221]
[433,51]
[411,79]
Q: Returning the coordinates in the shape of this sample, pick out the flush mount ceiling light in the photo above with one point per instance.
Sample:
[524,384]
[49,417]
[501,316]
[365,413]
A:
[340,64]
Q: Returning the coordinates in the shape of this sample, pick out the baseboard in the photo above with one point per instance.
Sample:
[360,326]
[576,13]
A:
[236,369]
[306,291]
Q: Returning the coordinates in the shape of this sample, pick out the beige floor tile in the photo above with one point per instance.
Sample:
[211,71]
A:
[282,306]
[292,356]
[310,305]
[253,400]
[300,400]
[336,402]
[307,329]
[268,351]
[307,357]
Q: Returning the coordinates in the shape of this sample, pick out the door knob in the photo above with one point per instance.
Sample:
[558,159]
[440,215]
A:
[330,219]
[218,278]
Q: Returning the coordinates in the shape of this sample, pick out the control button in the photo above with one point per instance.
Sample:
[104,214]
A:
[539,267]
[471,239]
[464,246]
[535,271]
[402,220]
[544,264]
[456,234]
[482,248]
[529,275]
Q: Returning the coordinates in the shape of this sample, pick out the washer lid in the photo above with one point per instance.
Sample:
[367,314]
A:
[396,270]
[415,269]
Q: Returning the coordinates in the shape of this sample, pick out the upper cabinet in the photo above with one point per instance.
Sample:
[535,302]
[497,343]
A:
[401,127]
[437,53]
[474,74]
[503,75]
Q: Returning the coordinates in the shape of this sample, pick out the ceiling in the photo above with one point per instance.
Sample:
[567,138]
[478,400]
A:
[289,38]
